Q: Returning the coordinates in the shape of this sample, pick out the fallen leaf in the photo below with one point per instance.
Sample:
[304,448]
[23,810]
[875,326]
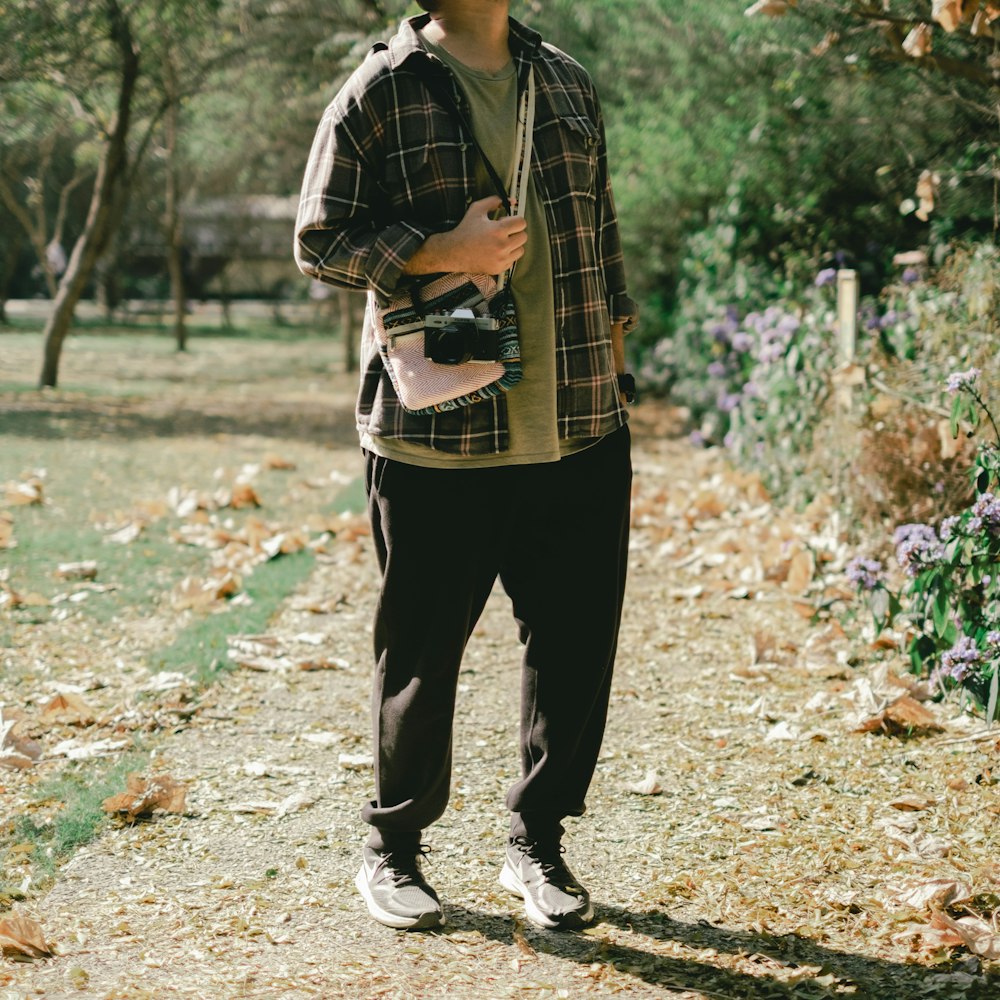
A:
[938,892]
[800,572]
[912,803]
[980,937]
[243,495]
[356,761]
[77,570]
[7,531]
[23,937]
[650,785]
[274,461]
[29,491]
[68,707]
[144,795]
[918,42]
[903,717]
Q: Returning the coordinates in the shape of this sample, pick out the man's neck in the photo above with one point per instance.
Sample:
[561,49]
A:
[475,32]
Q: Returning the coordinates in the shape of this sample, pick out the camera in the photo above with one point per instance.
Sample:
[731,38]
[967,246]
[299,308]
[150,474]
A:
[460,339]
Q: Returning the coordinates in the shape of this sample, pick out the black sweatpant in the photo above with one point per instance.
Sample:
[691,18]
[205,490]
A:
[557,536]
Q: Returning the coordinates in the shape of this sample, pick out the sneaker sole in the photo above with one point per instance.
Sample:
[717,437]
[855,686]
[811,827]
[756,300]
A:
[569,921]
[421,922]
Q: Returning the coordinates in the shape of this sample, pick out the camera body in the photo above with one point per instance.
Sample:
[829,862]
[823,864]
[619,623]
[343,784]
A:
[461,338]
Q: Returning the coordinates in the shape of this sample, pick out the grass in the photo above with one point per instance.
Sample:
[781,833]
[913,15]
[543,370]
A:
[37,846]
[201,648]
[108,439]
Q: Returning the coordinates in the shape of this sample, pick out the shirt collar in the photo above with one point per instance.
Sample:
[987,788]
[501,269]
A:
[524,42]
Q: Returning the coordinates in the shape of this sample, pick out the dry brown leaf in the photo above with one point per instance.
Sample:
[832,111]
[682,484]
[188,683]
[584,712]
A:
[904,716]
[650,785]
[770,8]
[244,495]
[7,530]
[918,42]
[825,43]
[800,572]
[77,570]
[948,13]
[68,707]
[980,937]
[202,594]
[938,892]
[274,461]
[22,937]
[29,491]
[144,795]
[927,186]
[912,803]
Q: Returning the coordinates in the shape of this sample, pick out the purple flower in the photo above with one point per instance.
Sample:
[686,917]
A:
[987,510]
[826,277]
[958,661]
[770,353]
[947,528]
[741,342]
[728,401]
[917,546]
[697,439]
[729,441]
[788,324]
[873,323]
[716,369]
[993,637]
[891,318]
[962,380]
[751,390]
[864,573]
[910,276]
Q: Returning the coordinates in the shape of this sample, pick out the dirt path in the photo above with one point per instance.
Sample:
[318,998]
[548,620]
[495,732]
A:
[766,867]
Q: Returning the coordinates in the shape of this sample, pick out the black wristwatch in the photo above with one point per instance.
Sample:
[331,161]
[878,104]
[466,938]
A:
[626,385]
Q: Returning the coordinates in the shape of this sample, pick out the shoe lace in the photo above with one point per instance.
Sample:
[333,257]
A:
[548,857]
[402,868]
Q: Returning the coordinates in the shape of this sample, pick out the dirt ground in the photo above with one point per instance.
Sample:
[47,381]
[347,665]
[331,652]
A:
[742,840]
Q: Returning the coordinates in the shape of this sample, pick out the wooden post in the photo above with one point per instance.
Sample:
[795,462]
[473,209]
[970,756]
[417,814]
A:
[847,313]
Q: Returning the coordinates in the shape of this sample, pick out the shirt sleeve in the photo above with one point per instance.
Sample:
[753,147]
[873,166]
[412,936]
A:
[621,307]
[338,238]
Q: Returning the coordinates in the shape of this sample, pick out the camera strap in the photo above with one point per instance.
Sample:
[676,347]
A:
[521,169]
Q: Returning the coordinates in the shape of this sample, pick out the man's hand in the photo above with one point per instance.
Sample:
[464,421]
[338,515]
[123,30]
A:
[478,244]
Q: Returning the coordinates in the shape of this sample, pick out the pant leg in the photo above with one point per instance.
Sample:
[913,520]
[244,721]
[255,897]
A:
[566,578]
[439,559]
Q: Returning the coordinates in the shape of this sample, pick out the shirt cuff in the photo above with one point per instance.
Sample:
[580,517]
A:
[622,309]
[392,251]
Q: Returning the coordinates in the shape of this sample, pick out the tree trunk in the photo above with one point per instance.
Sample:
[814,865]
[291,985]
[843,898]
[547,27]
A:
[11,254]
[101,215]
[172,223]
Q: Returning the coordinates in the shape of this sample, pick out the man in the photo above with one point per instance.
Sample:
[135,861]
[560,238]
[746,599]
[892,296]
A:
[532,486]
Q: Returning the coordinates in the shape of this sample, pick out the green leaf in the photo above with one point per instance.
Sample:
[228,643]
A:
[957,406]
[991,706]
[940,609]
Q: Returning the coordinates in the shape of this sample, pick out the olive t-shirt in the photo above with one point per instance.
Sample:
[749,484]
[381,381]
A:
[531,404]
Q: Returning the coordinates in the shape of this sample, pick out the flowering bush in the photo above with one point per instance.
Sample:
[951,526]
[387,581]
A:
[950,602]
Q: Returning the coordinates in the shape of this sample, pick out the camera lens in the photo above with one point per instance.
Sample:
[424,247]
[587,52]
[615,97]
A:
[452,344]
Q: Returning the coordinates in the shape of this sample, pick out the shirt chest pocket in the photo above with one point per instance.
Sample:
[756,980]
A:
[571,139]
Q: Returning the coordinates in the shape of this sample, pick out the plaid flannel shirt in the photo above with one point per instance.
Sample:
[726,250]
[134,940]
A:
[391,164]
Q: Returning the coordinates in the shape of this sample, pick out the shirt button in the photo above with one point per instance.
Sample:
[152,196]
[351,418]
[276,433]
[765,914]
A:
[463,147]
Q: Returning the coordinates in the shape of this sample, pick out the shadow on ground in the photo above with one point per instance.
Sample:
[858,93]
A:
[317,422]
[870,977]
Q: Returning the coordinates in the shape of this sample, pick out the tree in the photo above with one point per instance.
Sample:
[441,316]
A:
[97,55]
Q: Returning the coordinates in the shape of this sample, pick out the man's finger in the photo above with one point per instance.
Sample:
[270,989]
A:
[485,205]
